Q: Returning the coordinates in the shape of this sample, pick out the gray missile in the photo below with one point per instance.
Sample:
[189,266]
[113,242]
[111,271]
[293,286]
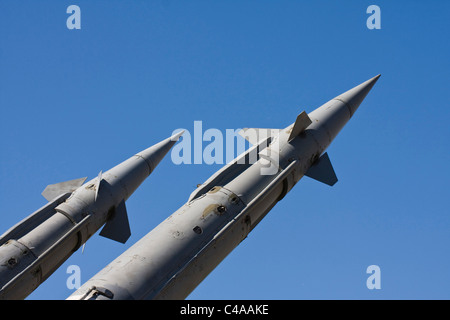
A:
[171,260]
[35,247]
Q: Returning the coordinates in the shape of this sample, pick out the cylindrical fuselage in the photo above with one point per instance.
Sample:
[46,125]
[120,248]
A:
[171,260]
[27,260]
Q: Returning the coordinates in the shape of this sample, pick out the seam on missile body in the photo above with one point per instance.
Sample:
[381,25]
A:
[148,162]
[68,216]
[313,136]
[348,105]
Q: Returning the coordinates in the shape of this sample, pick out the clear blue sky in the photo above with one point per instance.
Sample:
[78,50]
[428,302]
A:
[74,102]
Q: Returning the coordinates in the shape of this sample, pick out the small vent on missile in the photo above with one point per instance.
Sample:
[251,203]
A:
[198,230]
[12,262]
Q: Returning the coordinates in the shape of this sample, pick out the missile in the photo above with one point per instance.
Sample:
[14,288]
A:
[35,247]
[172,259]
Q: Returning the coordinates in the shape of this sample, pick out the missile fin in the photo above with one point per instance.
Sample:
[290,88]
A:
[255,135]
[301,123]
[118,227]
[99,181]
[322,171]
[53,190]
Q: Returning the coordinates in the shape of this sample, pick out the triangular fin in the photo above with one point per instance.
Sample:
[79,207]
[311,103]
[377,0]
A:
[301,123]
[53,190]
[118,227]
[322,171]
[99,181]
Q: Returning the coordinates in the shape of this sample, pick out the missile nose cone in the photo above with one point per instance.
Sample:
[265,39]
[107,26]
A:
[128,175]
[157,152]
[176,136]
[355,96]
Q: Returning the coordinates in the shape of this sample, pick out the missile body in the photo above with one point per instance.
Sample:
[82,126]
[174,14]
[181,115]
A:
[35,247]
[171,260]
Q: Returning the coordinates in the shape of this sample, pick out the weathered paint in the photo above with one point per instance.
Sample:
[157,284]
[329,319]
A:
[169,267]
[33,249]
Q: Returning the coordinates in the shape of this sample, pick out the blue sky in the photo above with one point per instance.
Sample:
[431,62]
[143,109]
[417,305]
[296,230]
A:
[75,102]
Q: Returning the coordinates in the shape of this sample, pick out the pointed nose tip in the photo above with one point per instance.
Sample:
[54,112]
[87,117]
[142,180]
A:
[376,77]
[177,136]
[373,80]
[355,96]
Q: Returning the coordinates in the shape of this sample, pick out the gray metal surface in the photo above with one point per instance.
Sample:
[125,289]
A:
[34,248]
[171,260]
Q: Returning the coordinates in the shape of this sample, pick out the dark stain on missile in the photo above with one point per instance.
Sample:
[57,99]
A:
[90,187]
[216,208]
[178,234]
[214,190]
[208,210]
